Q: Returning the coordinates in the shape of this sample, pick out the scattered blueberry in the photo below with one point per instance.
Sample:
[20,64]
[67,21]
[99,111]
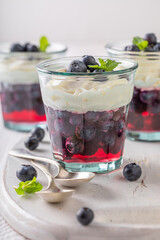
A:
[39,133]
[85,215]
[74,145]
[16,47]
[132,172]
[89,60]
[151,38]
[77,66]
[131,48]
[31,143]
[26,173]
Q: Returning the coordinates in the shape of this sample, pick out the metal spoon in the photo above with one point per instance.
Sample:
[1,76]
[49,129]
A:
[64,178]
[52,193]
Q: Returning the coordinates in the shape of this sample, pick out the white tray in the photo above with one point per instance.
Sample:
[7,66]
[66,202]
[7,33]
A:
[123,210]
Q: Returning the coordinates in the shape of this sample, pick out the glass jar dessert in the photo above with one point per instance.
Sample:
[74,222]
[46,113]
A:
[86,110]
[21,102]
[144,110]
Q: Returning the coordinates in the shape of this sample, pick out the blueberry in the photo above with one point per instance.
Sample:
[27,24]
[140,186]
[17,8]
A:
[147,96]
[64,128]
[89,60]
[131,48]
[32,48]
[77,66]
[106,126]
[91,117]
[26,173]
[26,46]
[90,148]
[62,114]
[157,47]
[31,143]
[105,116]
[85,132]
[16,47]
[155,107]
[132,172]
[150,49]
[39,133]
[76,119]
[151,38]
[85,215]
[109,139]
[120,127]
[74,145]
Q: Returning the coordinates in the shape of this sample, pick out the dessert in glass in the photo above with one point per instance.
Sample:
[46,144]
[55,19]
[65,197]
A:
[144,110]
[21,101]
[86,108]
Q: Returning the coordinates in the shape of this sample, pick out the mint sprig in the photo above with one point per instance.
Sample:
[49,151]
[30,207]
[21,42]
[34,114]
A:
[43,44]
[107,65]
[140,43]
[28,187]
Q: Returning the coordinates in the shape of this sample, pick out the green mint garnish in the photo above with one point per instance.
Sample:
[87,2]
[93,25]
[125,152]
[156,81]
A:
[43,44]
[107,65]
[28,187]
[140,43]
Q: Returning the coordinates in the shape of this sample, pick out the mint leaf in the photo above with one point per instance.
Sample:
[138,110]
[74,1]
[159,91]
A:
[28,187]
[43,44]
[140,43]
[107,65]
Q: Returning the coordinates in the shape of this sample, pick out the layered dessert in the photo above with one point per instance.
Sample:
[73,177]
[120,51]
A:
[144,111]
[86,112]
[21,100]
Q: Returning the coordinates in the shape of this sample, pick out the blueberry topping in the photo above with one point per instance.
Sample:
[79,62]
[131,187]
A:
[89,60]
[77,66]
[151,38]
[31,143]
[133,48]
[32,48]
[132,172]
[26,173]
[16,47]
[39,133]
[85,215]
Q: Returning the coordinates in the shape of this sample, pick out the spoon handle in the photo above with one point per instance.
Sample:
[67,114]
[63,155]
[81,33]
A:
[22,153]
[47,173]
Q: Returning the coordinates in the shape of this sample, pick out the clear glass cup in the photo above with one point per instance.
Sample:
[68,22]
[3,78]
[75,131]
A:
[86,114]
[21,101]
[144,110]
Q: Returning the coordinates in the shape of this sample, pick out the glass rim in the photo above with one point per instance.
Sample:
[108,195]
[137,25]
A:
[41,67]
[112,47]
[64,49]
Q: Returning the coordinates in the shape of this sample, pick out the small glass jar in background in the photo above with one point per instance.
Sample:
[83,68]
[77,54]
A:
[144,111]
[21,102]
[86,113]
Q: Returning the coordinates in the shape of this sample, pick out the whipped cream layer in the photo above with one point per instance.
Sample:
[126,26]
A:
[22,71]
[87,95]
[148,73]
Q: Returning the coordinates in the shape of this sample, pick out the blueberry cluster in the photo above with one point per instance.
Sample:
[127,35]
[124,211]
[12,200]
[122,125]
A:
[153,45]
[145,101]
[83,66]
[19,97]
[75,133]
[36,136]
[27,47]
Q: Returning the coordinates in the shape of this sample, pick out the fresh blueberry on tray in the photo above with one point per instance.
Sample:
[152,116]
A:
[39,133]
[26,173]
[31,143]
[132,172]
[85,216]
